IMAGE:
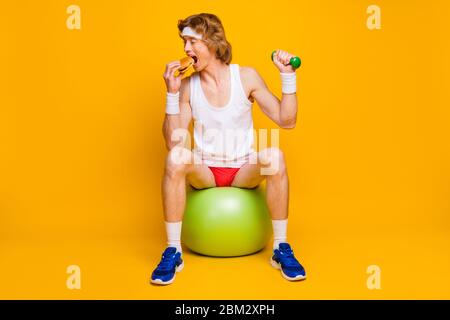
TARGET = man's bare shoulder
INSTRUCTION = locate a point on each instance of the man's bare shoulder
(251, 79)
(250, 76)
(248, 72)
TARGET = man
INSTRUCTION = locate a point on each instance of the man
(219, 98)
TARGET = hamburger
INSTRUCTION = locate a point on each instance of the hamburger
(186, 63)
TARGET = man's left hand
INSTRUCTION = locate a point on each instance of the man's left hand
(281, 61)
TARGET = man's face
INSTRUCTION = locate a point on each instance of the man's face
(199, 49)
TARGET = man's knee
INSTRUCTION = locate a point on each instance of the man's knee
(272, 161)
(178, 161)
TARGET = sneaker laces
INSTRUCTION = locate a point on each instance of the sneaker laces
(167, 262)
(289, 259)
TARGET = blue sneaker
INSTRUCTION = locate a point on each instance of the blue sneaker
(283, 258)
(170, 263)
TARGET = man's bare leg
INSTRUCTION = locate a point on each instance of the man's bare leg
(180, 168)
(272, 166)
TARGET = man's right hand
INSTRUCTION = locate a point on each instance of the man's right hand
(173, 83)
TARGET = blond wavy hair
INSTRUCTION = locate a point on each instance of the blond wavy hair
(210, 26)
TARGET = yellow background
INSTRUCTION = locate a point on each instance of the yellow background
(81, 150)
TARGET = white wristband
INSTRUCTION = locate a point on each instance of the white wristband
(288, 82)
(173, 103)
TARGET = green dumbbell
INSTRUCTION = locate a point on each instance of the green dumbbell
(295, 62)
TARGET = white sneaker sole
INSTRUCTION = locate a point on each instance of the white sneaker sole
(163, 283)
(277, 266)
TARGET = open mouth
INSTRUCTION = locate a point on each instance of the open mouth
(195, 59)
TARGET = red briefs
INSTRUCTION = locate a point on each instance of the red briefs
(224, 176)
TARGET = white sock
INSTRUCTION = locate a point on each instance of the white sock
(173, 230)
(279, 232)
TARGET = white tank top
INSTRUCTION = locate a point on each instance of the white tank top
(223, 136)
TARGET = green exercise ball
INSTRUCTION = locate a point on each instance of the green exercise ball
(226, 221)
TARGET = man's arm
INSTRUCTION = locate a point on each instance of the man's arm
(284, 112)
(178, 121)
